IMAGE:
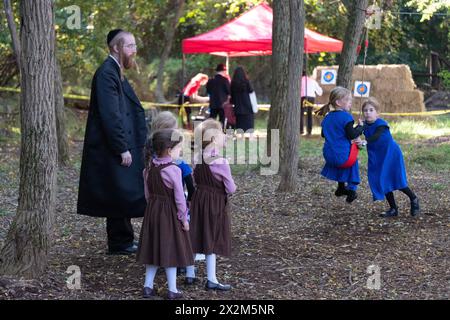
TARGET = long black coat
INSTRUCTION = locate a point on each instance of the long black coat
(115, 124)
(218, 89)
(240, 97)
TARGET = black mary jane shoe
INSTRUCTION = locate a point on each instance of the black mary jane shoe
(174, 295)
(217, 286)
(415, 208)
(148, 293)
(351, 196)
(392, 212)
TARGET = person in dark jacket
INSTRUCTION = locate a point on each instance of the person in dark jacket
(111, 181)
(218, 89)
(240, 90)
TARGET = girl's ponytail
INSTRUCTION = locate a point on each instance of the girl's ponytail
(324, 110)
(336, 94)
(148, 152)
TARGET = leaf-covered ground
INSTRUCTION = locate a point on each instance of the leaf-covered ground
(303, 245)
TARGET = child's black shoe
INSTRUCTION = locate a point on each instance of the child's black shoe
(415, 208)
(340, 192)
(392, 212)
(351, 196)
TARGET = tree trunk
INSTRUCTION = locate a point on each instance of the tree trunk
(12, 29)
(287, 63)
(63, 142)
(172, 23)
(28, 239)
(356, 18)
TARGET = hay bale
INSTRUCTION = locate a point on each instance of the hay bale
(403, 101)
(392, 85)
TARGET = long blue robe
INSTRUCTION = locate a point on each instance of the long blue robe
(337, 148)
(386, 168)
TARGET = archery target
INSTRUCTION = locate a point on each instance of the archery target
(362, 89)
(328, 77)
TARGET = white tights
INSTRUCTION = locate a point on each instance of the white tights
(210, 269)
(171, 274)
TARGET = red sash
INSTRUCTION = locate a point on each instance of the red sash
(351, 158)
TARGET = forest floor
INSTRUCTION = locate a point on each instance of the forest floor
(306, 244)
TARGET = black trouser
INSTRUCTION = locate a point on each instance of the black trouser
(309, 115)
(213, 113)
(120, 233)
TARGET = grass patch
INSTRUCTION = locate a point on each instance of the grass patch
(436, 157)
(418, 129)
(439, 186)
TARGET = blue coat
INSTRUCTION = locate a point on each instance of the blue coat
(337, 148)
(386, 168)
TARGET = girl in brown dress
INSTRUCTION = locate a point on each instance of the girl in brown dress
(164, 240)
(210, 221)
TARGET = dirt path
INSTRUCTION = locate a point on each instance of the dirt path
(304, 245)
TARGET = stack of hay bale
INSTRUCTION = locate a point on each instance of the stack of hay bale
(392, 85)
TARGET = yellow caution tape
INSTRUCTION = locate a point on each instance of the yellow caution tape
(262, 107)
(426, 113)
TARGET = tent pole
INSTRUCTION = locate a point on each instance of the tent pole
(183, 63)
(306, 74)
(228, 63)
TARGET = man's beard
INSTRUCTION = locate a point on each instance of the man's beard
(128, 62)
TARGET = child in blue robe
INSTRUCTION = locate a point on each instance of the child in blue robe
(386, 168)
(339, 134)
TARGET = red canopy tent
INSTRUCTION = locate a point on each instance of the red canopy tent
(251, 35)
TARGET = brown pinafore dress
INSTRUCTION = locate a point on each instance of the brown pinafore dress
(163, 242)
(210, 226)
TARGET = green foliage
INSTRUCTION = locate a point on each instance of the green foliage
(402, 38)
(445, 75)
(428, 7)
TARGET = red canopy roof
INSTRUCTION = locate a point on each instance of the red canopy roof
(251, 35)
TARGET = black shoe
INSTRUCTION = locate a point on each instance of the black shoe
(127, 251)
(415, 208)
(174, 295)
(190, 281)
(341, 192)
(148, 293)
(217, 286)
(392, 212)
(351, 196)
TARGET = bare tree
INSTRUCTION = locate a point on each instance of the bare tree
(61, 131)
(63, 143)
(12, 30)
(356, 18)
(172, 23)
(28, 240)
(287, 63)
